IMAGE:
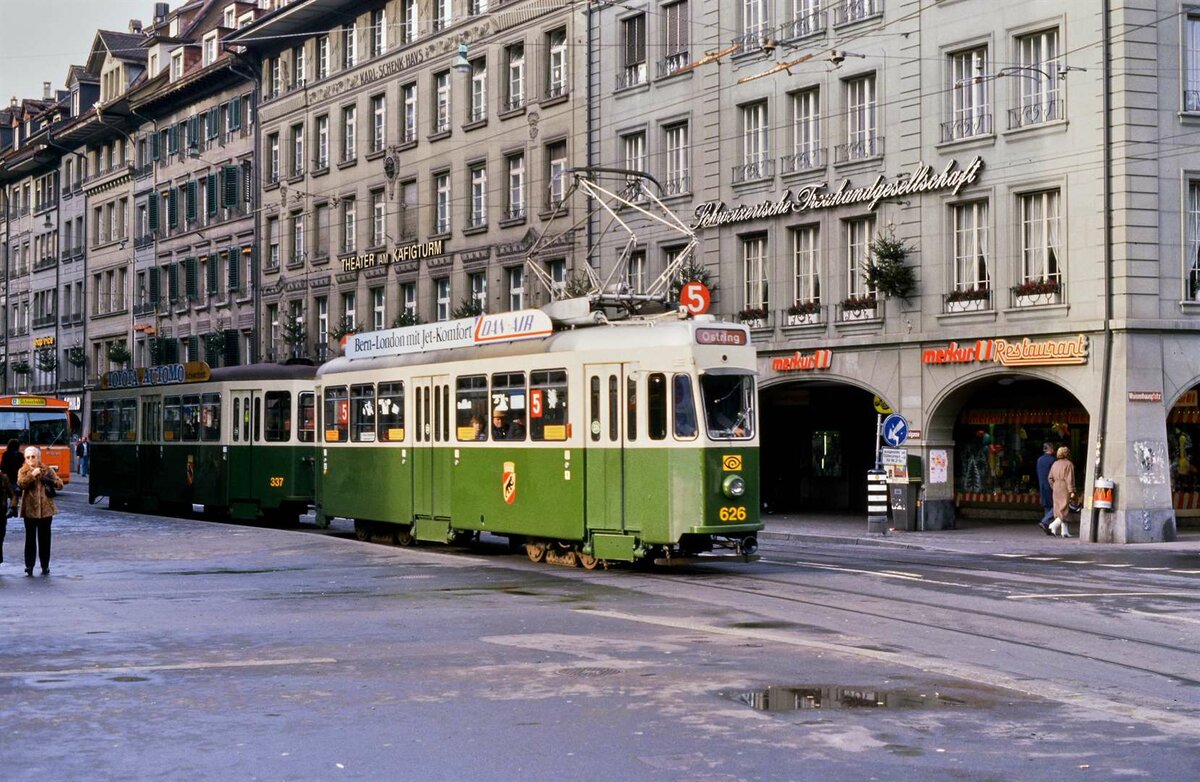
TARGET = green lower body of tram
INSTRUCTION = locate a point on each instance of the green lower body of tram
(567, 505)
(246, 482)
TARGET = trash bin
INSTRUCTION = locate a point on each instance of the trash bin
(902, 499)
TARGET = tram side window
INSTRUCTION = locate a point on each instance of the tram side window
(391, 412)
(471, 408)
(237, 417)
(631, 409)
(277, 416)
(171, 419)
(151, 419)
(210, 417)
(127, 420)
(685, 408)
(100, 417)
(728, 406)
(509, 413)
(307, 409)
(594, 404)
(548, 405)
(656, 406)
(336, 414)
(191, 418)
(362, 413)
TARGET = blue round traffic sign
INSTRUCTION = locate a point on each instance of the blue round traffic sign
(895, 430)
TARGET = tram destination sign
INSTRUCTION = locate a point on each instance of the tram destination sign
(446, 335)
(922, 179)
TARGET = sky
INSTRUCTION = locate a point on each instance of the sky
(40, 39)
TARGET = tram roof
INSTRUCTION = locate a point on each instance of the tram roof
(264, 372)
(622, 335)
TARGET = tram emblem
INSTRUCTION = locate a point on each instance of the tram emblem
(508, 484)
(191, 469)
(731, 462)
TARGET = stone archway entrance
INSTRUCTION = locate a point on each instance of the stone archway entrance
(1183, 451)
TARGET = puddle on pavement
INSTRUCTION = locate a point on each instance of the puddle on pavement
(831, 696)
(129, 679)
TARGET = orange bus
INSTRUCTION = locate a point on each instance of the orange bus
(42, 421)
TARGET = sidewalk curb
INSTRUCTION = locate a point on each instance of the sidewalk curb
(853, 540)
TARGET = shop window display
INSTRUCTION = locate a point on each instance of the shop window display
(997, 450)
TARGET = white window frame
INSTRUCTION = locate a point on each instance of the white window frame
(479, 188)
(441, 189)
(756, 272)
(858, 232)
(806, 264)
(441, 298)
(516, 185)
(969, 229)
(970, 95)
(1041, 219)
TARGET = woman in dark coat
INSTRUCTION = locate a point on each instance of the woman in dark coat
(10, 465)
(1062, 482)
(37, 508)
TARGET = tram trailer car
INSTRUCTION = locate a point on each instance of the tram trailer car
(240, 442)
(625, 442)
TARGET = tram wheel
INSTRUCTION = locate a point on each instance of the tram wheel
(404, 537)
(535, 550)
(362, 530)
(588, 561)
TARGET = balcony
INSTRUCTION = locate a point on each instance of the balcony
(754, 170)
(1037, 113)
(143, 309)
(145, 240)
(441, 125)
(864, 149)
(967, 127)
(514, 102)
(555, 90)
(631, 76)
(45, 262)
(853, 11)
(673, 63)
(515, 212)
(807, 160)
(751, 41)
(679, 184)
(141, 172)
(974, 299)
(42, 321)
(803, 26)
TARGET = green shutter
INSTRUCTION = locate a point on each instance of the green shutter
(190, 200)
(213, 260)
(155, 286)
(172, 283)
(235, 113)
(214, 122)
(172, 351)
(190, 281)
(172, 208)
(193, 348)
(234, 266)
(152, 211)
(229, 188)
(155, 151)
(210, 196)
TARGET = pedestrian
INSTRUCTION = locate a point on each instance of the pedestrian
(83, 451)
(8, 496)
(1062, 483)
(38, 483)
(11, 461)
(1044, 463)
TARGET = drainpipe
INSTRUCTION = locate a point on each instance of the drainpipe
(592, 111)
(254, 206)
(1106, 367)
(154, 248)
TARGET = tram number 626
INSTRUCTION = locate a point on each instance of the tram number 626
(732, 514)
(275, 481)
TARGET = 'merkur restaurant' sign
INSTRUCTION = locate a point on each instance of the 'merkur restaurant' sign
(1021, 353)
(802, 362)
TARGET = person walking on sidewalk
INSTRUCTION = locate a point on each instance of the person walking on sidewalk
(1044, 463)
(8, 509)
(1062, 481)
(35, 479)
(81, 450)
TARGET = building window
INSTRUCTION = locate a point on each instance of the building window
(634, 146)
(477, 7)
(556, 173)
(408, 295)
(349, 121)
(478, 282)
(349, 226)
(556, 270)
(806, 264)
(441, 191)
(678, 165)
(858, 239)
(807, 19)
(756, 23)
(378, 218)
(633, 52)
(378, 309)
(378, 32)
(322, 158)
(408, 23)
(209, 55)
(556, 63)
(323, 57)
(176, 69)
(970, 102)
(441, 102)
(322, 303)
(478, 196)
(299, 67)
(1192, 259)
(856, 10)
(408, 209)
(441, 298)
(441, 15)
(516, 287)
(515, 55)
(273, 158)
(970, 225)
(635, 272)
(379, 123)
(349, 45)
(806, 132)
(755, 272)
(478, 90)
(297, 222)
(861, 138)
(349, 311)
(297, 150)
(1038, 96)
(756, 151)
(516, 186)
(276, 70)
(272, 243)
(408, 96)
(1041, 259)
(676, 38)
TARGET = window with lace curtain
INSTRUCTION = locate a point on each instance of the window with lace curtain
(1192, 248)
(1041, 253)
(806, 264)
(970, 245)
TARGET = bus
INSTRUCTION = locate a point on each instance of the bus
(42, 421)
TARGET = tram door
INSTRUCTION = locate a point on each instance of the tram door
(432, 460)
(240, 456)
(604, 446)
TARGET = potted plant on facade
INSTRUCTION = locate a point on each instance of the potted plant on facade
(1033, 293)
(754, 317)
(885, 271)
(689, 272)
(803, 313)
(118, 353)
(469, 308)
(342, 329)
(293, 334)
(214, 347)
(76, 356)
(22, 367)
(859, 307)
(970, 299)
(405, 318)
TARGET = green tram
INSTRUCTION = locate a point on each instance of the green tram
(237, 440)
(633, 441)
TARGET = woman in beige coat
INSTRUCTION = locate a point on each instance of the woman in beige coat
(1062, 483)
(37, 508)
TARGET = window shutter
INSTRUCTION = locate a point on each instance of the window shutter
(235, 113)
(190, 281)
(172, 351)
(172, 208)
(190, 200)
(152, 211)
(229, 189)
(213, 260)
(193, 348)
(231, 348)
(155, 152)
(635, 40)
(155, 286)
(231, 277)
(214, 122)
(247, 184)
(210, 196)
(172, 283)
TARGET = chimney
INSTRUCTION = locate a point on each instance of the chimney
(135, 25)
(47, 94)
(160, 12)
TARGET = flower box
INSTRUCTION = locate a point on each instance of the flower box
(755, 323)
(867, 313)
(803, 319)
(966, 305)
(1037, 299)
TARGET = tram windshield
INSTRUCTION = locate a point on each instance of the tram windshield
(728, 406)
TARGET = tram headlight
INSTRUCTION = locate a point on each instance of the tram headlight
(733, 486)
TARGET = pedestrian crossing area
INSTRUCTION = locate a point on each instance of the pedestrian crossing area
(1113, 565)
